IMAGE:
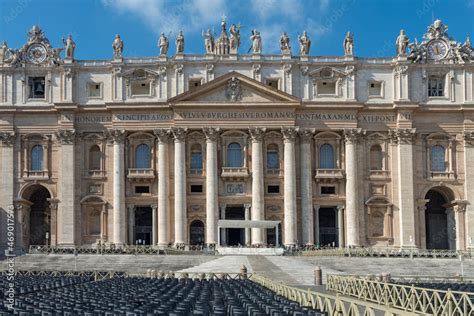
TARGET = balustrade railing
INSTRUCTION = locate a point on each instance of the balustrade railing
(329, 173)
(141, 173)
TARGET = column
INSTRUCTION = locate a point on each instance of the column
(118, 138)
(7, 140)
(258, 208)
(67, 192)
(247, 230)
(459, 212)
(340, 225)
(289, 135)
(421, 207)
(163, 178)
(131, 225)
(211, 184)
(351, 137)
(307, 219)
(154, 223)
(180, 219)
(224, 230)
(469, 186)
(103, 223)
(53, 234)
(452, 233)
(406, 199)
(316, 224)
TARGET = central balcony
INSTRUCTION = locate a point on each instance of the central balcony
(141, 174)
(329, 174)
(235, 172)
(36, 174)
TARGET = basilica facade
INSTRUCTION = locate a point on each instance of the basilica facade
(339, 151)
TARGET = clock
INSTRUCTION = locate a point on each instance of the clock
(437, 50)
(36, 54)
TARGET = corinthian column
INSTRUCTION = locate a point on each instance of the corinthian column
(459, 212)
(469, 186)
(352, 225)
(404, 139)
(307, 218)
(179, 185)
(289, 135)
(257, 210)
(118, 137)
(163, 177)
(211, 184)
(67, 192)
(7, 140)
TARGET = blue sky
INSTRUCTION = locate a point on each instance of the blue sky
(93, 23)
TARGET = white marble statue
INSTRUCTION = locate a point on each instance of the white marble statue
(305, 44)
(256, 42)
(163, 44)
(209, 43)
(117, 45)
(69, 46)
(402, 43)
(285, 43)
(234, 37)
(180, 43)
(349, 44)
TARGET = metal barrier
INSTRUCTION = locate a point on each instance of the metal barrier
(403, 297)
(124, 250)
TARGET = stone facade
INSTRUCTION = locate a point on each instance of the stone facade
(343, 151)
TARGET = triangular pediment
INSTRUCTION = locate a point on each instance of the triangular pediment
(234, 88)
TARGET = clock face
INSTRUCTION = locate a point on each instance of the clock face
(36, 54)
(437, 50)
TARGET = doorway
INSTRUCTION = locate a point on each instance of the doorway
(40, 217)
(328, 231)
(235, 236)
(439, 222)
(143, 225)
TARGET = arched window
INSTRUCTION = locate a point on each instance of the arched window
(94, 158)
(326, 156)
(196, 157)
(376, 158)
(437, 158)
(234, 155)
(37, 158)
(142, 156)
(273, 160)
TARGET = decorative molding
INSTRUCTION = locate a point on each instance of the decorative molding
(289, 133)
(402, 135)
(306, 134)
(353, 135)
(162, 134)
(66, 136)
(233, 90)
(468, 137)
(212, 133)
(257, 133)
(7, 138)
(179, 134)
(115, 135)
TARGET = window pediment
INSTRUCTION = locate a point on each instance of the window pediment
(140, 74)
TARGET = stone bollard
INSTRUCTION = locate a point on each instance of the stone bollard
(243, 272)
(318, 276)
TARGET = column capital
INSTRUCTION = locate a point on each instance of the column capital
(306, 134)
(468, 138)
(66, 136)
(421, 204)
(316, 207)
(223, 207)
(340, 208)
(257, 133)
(353, 135)
(460, 206)
(7, 138)
(179, 133)
(402, 135)
(212, 133)
(289, 133)
(247, 206)
(115, 136)
(162, 134)
(154, 206)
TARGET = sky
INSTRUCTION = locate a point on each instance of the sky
(94, 23)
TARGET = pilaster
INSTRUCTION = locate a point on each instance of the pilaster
(212, 183)
(258, 209)
(163, 188)
(180, 216)
(307, 218)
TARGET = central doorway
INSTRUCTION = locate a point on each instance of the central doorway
(235, 236)
(328, 236)
(143, 225)
(439, 222)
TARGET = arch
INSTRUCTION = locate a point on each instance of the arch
(39, 231)
(273, 156)
(438, 158)
(196, 232)
(93, 199)
(439, 221)
(234, 155)
(37, 155)
(449, 192)
(326, 156)
(142, 156)
(327, 135)
(376, 157)
(95, 158)
(27, 189)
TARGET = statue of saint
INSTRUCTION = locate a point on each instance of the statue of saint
(117, 45)
(305, 44)
(69, 46)
(402, 43)
(234, 37)
(256, 42)
(285, 44)
(349, 44)
(163, 44)
(180, 43)
(208, 41)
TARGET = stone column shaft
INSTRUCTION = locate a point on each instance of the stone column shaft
(131, 225)
(7, 140)
(307, 218)
(459, 212)
(316, 224)
(118, 137)
(257, 211)
(163, 178)
(289, 135)
(211, 185)
(469, 186)
(224, 230)
(340, 225)
(247, 230)
(180, 219)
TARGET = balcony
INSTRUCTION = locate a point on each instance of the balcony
(379, 174)
(36, 174)
(441, 175)
(235, 172)
(329, 174)
(141, 174)
(274, 172)
(195, 172)
(96, 174)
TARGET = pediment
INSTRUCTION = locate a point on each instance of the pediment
(234, 88)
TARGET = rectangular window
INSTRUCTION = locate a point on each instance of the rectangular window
(272, 160)
(375, 89)
(435, 87)
(37, 87)
(94, 90)
(272, 82)
(328, 190)
(140, 189)
(273, 189)
(196, 160)
(326, 87)
(140, 88)
(194, 84)
(196, 188)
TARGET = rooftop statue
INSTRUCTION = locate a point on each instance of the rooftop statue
(402, 43)
(117, 45)
(163, 44)
(285, 44)
(234, 38)
(180, 43)
(349, 44)
(69, 47)
(256, 42)
(305, 44)
(208, 41)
